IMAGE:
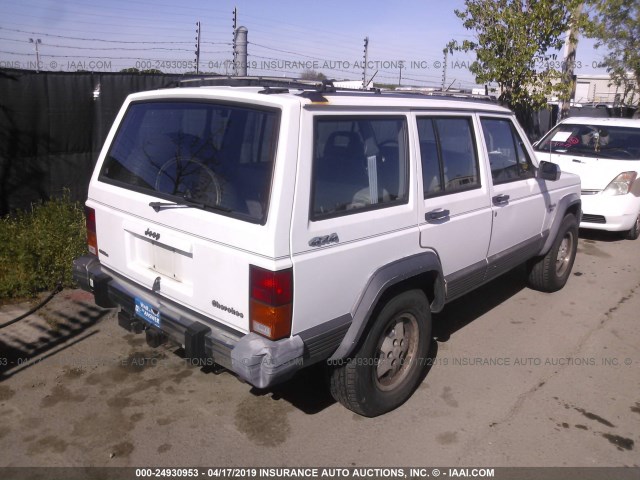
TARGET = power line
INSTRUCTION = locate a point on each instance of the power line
(285, 51)
(89, 39)
(140, 20)
(298, 40)
(322, 44)
(146, 11)
(74, 47)
(92, 57)
(94, 31)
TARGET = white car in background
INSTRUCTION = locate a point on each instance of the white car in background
(605, 153)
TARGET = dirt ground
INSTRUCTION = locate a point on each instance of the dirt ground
(520, 378)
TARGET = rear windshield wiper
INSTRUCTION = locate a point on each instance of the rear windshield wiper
(186, 203)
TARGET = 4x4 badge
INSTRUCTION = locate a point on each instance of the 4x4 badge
(154, 235)
(325, 240)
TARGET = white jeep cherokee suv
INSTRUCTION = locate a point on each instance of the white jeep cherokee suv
(267, 229)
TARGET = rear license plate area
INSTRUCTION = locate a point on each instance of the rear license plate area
(147, 313)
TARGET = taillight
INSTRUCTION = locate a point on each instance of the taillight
(270, 302)
(92, 238)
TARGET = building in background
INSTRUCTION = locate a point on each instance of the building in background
(599, 89)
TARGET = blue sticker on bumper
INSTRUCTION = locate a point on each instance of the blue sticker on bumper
(147, 313)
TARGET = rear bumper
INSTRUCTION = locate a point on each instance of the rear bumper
(257, 360)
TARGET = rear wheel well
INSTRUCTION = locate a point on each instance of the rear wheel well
(426, 282)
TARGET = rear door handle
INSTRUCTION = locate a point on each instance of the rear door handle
(501, 199)
(437, 214)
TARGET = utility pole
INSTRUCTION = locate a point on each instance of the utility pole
(198, 30)
(366, 56)
(36, 42)
(444, 69)
(400, 79)
(570, 47)
(235, 52)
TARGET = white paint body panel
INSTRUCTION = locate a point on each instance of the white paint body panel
(202, 257)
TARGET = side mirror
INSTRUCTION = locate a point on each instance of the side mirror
(549, 171)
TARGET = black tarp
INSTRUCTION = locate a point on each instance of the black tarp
(52, 127)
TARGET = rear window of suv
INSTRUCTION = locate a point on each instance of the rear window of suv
(218, 155)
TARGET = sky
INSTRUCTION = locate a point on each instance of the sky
(405, 38)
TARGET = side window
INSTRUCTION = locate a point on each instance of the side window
(359, 163)
(507, 155)
(448, 154)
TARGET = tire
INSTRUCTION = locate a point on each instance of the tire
(635, 231)
(401, 333)
(550, 273)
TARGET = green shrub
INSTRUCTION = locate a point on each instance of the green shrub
(37, 247)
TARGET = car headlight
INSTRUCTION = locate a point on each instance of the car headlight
(621, 185)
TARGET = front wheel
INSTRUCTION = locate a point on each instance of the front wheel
(388, 365)
(551, 272)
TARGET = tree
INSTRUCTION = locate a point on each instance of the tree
(616, 26)
(313, 75)
(515, 44)
(136, 70)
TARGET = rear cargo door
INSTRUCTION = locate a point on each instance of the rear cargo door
(182, 200)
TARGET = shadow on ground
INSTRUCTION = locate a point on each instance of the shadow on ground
(601, 235)
(461, 312)
(64, 323)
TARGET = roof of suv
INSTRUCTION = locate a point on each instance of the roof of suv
(311, 97)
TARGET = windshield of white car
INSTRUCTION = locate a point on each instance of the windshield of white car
(591, 140)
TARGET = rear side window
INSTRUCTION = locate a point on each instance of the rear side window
(448, 155)
(507, 154)
(220, 156)
(359, 163)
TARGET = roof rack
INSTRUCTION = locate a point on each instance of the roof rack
(447, 93)
(258, 81)
(315, 88)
